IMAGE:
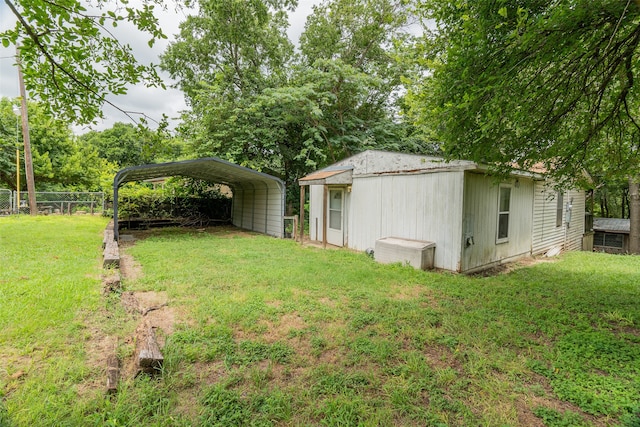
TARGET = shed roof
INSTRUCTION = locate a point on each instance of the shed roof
(210, 169)
(376, 162)
(612, 225)
(330, 175)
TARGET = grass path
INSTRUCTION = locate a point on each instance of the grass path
(270, 333)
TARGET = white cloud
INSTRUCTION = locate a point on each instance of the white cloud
(8, 72)
(298, 18)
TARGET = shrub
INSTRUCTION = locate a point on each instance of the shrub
(177, 198)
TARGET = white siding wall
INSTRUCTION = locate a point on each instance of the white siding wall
(481, 221)
(546, 234)
(259, 208)
(315, 212)
(421, 206)
(576, 227)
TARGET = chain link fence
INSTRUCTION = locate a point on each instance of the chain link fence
(6, 202)
(61, 202)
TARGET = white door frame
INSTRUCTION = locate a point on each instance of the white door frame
(335, 215)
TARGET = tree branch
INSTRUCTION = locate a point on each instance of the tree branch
(55, 65)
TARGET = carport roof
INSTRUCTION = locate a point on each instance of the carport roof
(209, 169)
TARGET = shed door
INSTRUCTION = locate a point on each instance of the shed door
(335, 226)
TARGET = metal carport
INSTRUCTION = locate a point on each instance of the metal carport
(258, 198)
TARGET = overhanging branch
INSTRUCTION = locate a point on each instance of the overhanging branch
(55, 65)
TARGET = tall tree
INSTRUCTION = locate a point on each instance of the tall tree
(70, 56)
(59, 160)
(225, 56)
(125, 144)
(230, 49)
(349, 50)
(256, 104)
(535, 81)
(362, 34)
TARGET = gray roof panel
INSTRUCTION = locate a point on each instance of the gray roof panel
(615, 225)
(209, 169)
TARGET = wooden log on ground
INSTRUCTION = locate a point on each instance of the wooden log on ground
(111, 255)
(108, 234)
(150, 358)
(113, 372)
(108, 237)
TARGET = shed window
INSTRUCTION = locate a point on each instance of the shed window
(559, 208)
(504, 209)
(610, 240)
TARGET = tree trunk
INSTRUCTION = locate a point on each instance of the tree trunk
(634, 215)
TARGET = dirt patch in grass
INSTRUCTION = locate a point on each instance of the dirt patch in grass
(130, 269)
(274, 303)
(525, 414)
(331, 303)
(538, 393)
(331, 356)
(417, 292)
(187, 404)
(99, 346)
(441, 357)
(14, 369)
(291, 321)
(525, 404)
(270, 331)
(512, 266)
(201, 375)
(406, 293)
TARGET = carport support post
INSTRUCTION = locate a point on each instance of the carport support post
(115, 211)
(324, 215)
(302, 188)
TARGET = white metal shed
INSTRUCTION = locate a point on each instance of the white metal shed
(258, 198)
(473, 220)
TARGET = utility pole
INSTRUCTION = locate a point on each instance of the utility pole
(16, 111)
(28, 162)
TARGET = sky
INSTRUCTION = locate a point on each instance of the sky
(154, 102)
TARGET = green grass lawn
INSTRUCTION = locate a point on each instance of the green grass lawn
(269, 333)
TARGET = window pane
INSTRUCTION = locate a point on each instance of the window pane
(503, 226)
(335, 220)
(505, 199)
(335, 199)
(613, 240)
(598, 239)
(559, 208)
